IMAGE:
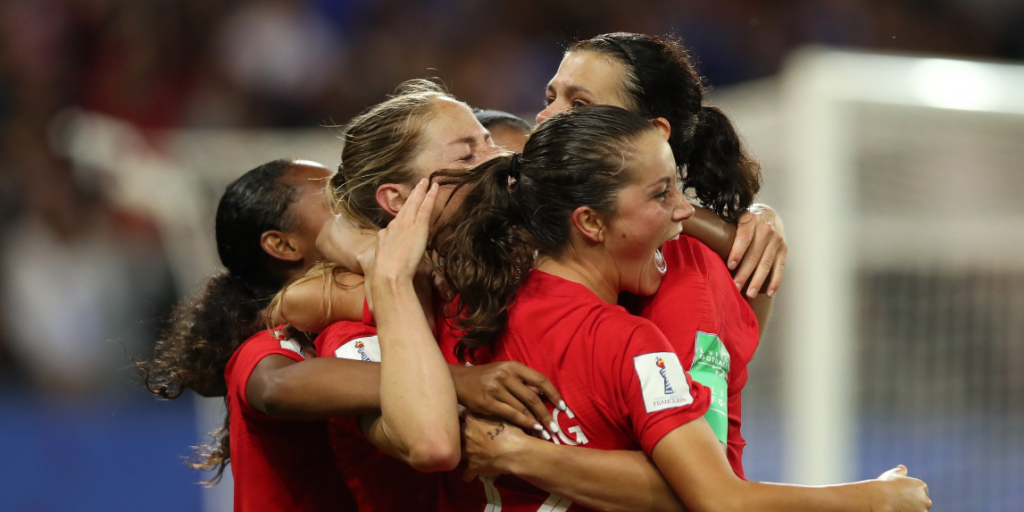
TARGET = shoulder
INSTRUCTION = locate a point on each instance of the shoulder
(349, 340)
(616, 331)
(253, 350)
(264, 343)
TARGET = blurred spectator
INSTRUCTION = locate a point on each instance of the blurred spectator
(78, 278)
(282, 55)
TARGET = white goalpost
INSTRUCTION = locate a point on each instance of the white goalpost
(899, 335)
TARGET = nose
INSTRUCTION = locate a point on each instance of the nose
(684, 210)
(553, 108)
(543, 115)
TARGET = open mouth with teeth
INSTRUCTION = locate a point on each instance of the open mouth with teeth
(659, 256)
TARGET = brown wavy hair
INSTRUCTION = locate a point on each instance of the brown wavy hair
(661, 81)
(519, 206)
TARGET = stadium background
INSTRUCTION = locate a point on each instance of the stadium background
(210, 89)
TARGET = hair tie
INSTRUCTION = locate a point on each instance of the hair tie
(514, 169)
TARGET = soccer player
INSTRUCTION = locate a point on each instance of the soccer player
(538, 253)
(372, 185)
(277, 394)
(374, 181)
(508, 131)
(267, 222)
(697, 308)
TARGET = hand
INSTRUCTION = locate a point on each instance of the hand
(400, 246)
(508, 390)
(899, 492)
(761, 243)
(487, 445)
(342, 242)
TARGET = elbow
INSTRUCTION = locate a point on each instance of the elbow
(434, 455)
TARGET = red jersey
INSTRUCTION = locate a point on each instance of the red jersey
(378, 481)
(277, 464)
(623, 385)
(712, 328)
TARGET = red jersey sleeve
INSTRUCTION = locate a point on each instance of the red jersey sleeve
(653, 388)
(349, 340)
(249, 354)
(368, 315)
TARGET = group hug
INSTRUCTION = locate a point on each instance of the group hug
(472, 313)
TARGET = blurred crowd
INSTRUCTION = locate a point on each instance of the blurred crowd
(82, 281)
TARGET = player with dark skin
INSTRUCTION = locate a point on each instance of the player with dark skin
(267, 226)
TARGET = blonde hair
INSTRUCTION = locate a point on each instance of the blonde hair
(380, 147)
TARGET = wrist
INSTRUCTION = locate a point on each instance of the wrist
(523, 451)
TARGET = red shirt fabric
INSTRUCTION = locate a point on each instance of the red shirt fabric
(623, 385)
(698, 298)
(278, 465)
(379, 482)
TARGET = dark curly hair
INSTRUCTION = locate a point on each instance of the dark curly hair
(207, 327)
(661, 81)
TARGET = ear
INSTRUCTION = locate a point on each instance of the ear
(589, 223)
(391, 197)
(663, 126)
(280, 245)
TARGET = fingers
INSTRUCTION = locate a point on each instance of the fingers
(533, 402)
(744, 235)
(408, 212)
(537, 380)
(777, 270)
(763, 268)
(427, 207)
(750, 259)
(510, 409)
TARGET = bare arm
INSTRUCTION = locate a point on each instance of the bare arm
(320, 388)
(691, 459)
(609, 480)
(326, 295)
(754, 248)
(711, 230)
(419, 416)
(328, 387)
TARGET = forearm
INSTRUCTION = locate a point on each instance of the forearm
(310, 305)
(711, 230)
(418, 401)
(768, 497)
(600, 479)
(691, 459)
(323, 388)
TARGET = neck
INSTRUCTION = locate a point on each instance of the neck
(590, 272)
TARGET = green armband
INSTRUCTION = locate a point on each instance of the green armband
(711, 368)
